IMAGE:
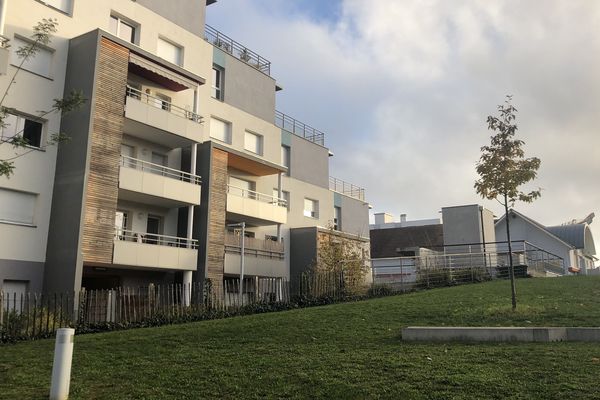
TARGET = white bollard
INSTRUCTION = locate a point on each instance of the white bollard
(61, 368)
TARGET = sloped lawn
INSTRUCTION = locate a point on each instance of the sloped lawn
(346, 351)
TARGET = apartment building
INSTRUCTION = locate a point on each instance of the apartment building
(178, 144)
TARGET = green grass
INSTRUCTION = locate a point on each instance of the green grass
(346, 351)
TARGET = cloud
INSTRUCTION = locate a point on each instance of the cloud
(402, 89)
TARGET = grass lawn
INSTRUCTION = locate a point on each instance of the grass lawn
(345, 351)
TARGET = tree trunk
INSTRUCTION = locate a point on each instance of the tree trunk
(511, 267)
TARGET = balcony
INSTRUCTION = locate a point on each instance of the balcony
(262, 257)
(255, 208)
(237, 50)
(299, 128)
(150, 117)
(154, 251)
(145, 182)
(346, 188)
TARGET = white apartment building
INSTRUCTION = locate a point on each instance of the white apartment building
(179, 142)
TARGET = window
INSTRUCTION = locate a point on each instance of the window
(62, 5)
(14, 290)
(311, 208)
(241, 187)
(18, 125)
(253, 143)
(220, 130)
(17, 207)
(284, 196)
(285, 158)
(153, 229)
(218, 75)
(41, 64)
(337, 218)
(121, 224)
(162, 101)
(169, 51)
(126, 30)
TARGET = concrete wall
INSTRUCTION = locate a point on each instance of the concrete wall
(462, 225)
(309, 162)
(355, 216)
(303, 249)
(190, 14)
(27, 271)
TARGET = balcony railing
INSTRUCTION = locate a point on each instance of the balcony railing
(162, 104)
(299, 129)
(251, 194)
(237, 50)
(346, 188)
(145, 166)
(155, 239)
(254, 246)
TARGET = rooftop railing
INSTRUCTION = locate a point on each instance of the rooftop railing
(251, 194)
(130, 162)
(346, 188)
(237, 50)
(162, 104)
(299, 128)
(155, 239)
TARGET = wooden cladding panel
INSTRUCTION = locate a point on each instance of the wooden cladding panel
(216, 217)
(107, 131)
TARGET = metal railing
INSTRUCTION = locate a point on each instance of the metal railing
(162, 104)
(125, 235)
(251, 194)
(237, 50)
(253, 246)
(145, 166)
(346, 188)
(299, 128)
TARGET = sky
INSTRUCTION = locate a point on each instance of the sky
(402, 90)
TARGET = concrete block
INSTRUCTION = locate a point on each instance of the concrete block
(583, 334)
(485, 334)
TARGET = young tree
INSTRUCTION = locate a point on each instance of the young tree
(503, 168)
(42, 36)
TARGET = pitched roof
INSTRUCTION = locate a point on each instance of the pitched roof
(385, 242)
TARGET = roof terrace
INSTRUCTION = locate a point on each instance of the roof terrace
(299, 128)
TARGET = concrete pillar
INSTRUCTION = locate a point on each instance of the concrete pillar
(187, 288)
(61, 367)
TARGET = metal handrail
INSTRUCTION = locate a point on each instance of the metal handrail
(135, 163)
(163, 104)
(236, 49)
(125, 235)
(299, 128)
(346, 188)
(251, 194)
(250, 243)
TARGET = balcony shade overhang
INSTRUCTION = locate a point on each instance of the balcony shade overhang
(249, 163)
(158, 74)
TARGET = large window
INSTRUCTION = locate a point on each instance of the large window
(311, 208)
(337, 218)
(220, 130)
(18, 125)
(285, 158)
(218, 80)
(253, 143)
(169, 51)
(241, 187)
(126, 30)
(17, 207)
(40, 64)
(62, 5)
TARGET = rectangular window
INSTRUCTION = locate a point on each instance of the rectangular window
(17, 207)
(241, 187)
(253, 143)
(218, 75)
(285, 158)
(153, 229)
(126, 30)
(220, 130)
(311, 208)
(121, 224)
(62, 5)
(169, 51)
(162, 101)
(40, 64)
(337, 218)
(18, 125)
(15, 292)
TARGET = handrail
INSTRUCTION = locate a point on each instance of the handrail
(135, 163)
(154, 239)
(236, 49)
(346, 188)
(299, 128)
(251, 194)
(162, 104)
(271, 246)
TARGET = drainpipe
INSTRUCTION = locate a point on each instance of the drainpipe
(279, 193)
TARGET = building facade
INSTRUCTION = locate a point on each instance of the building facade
(178, 144)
